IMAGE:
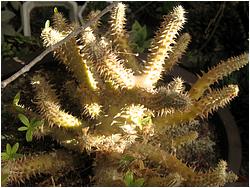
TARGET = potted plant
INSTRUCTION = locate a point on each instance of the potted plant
(138, 132)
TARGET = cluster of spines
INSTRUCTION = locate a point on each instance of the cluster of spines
(177, 85)
(184, 139)
(113, 71)
(165, 98)
(92, 15)
(51, 36)
(132, 117)
(200, 146)
(59, 22)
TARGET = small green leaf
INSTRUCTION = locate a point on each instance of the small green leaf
(8, 149)
(5, 156)
(47, 23)
(16, 99)
(55, 10)
(136, 26)
(15, 148)
(139, 182)
(29, 134)
(138, 36)
(23, 128)
(128, 178)
(24, 119)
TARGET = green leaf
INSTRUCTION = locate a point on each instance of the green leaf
(140, 49)
(138, 37)
(8, 149)
(29, 134)
(15, 148)
(128, 178)
(23, 128)
(16, 99)
(147, 43)
(136, 26)
(5, 156)
(139, 182)
(7, 15)
(24, 119)
(144, 32)
(47, 23)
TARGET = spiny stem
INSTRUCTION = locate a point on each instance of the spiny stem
(47, 163)
(217, 177)
(217, 73)
(201, 108)
(161, 47)
(178, 50)
(119, 35)
(49, 107)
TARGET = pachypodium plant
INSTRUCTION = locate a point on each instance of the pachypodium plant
(138, 131)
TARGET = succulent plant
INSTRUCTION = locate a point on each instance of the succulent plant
(125, 115)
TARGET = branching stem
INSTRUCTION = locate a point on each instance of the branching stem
(27, 67)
